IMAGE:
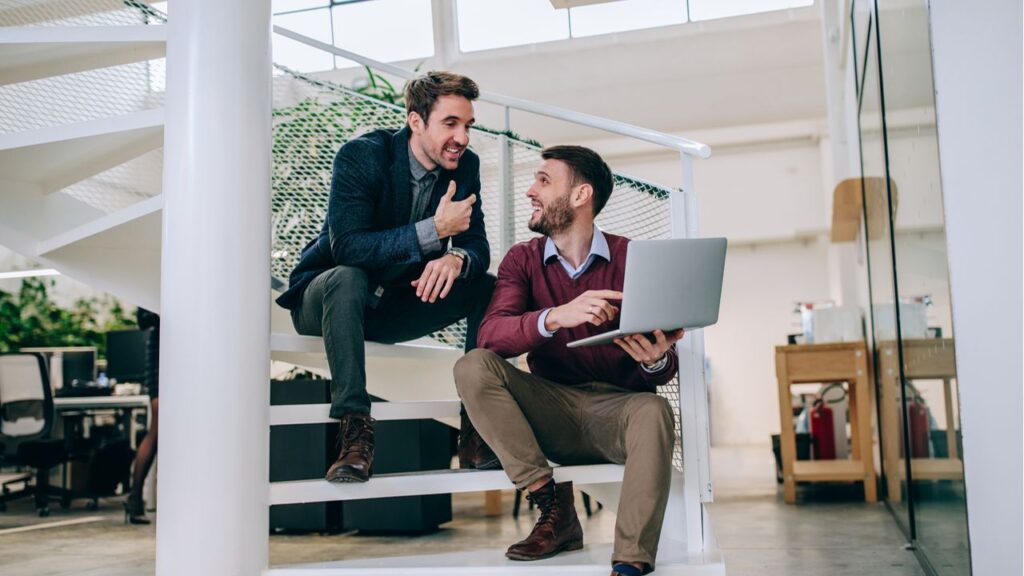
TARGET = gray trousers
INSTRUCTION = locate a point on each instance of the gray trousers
(335, 306)
(528, 420)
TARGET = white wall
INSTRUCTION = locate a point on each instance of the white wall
(767, 197)
(977, 68)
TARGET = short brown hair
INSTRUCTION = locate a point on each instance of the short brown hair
(587, 166)
(421, 93)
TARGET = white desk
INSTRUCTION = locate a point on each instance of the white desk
(81, 408)
(100, 402)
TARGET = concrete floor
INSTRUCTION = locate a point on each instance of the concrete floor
(829, 533)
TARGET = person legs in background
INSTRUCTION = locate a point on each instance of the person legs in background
(134, 507)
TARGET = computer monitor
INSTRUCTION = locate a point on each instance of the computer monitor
(126, 354)
(68, 364)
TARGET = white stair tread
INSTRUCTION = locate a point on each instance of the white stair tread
(52, 135)
(30, 53)
(592, 560)
(100, 225)
(431, 482)
(315, 345)
(13, 35)
(319, 413)
(57, 156)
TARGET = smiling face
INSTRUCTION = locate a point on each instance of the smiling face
(441, 139)
(551, 197)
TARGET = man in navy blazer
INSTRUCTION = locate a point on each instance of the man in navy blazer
(402, 253)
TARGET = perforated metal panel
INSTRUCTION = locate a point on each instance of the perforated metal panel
(77, 13)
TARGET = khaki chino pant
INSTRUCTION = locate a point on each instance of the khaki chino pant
(528, 420)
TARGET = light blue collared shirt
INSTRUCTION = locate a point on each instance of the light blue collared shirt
(598, 248)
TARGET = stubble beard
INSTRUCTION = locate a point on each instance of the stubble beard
(555, 218)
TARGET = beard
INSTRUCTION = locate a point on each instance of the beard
(554, 218)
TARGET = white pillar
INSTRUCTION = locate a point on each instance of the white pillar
(214, 359)
(976, 62)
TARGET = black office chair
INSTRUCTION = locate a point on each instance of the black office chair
(26, 422)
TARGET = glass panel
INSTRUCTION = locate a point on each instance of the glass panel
(625, 15)
(882, 287)
(485, 24)
(922, 278)
(385, 30)
(711, 9)
(860, 15)
(313, 23)
(279, 6)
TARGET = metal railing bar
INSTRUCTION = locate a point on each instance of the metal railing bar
(683, 145)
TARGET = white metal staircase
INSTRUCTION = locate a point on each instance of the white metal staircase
(81, 132)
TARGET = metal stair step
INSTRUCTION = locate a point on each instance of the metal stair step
(30, 53)
(103, 224)
(57, 156)
(319, 413)
(592, 560)
(419, 349)
(431, 482)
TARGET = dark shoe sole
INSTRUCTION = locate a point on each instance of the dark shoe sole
(347, 478)
(567, 547)
(489, 465)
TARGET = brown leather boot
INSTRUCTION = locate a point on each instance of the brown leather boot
(474, 453)
(556, 530)
(355, 461)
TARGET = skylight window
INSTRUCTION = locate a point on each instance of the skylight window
(625, 15)
(386, 30)
(712, 9)
(488, 24)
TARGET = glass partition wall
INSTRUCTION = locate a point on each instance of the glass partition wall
(910, 322)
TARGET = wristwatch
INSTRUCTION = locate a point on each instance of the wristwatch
(462, 254)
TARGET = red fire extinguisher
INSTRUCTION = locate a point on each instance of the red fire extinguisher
(917, 418)
(823, 431)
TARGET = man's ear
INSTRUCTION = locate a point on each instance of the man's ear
(582, 195)
(416, 123)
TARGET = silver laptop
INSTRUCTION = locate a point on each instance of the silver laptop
(669, 284)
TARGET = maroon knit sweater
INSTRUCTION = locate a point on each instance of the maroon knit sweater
(527, 286)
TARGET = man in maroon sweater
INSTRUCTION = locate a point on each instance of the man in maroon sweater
(574, 406)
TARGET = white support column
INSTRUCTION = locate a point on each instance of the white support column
(976, 63)
(215, 353)
(692, 386)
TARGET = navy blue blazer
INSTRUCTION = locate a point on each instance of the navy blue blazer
(367, 223)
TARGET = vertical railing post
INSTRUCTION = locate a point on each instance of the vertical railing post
(215, 280)
(506, 193)
(692, 385)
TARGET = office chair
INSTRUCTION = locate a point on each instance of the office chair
(26, 422)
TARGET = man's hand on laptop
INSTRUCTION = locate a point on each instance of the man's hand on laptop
(648, 353)
(438, 277)
(592, 306)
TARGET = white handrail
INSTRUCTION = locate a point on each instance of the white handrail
(682, 145)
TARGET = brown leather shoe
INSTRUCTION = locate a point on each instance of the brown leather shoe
(355, 461)
(474, 453)
(556, 530)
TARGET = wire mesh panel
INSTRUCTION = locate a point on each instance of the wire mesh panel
(123, 185)
(76, 13)
(82, 96)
